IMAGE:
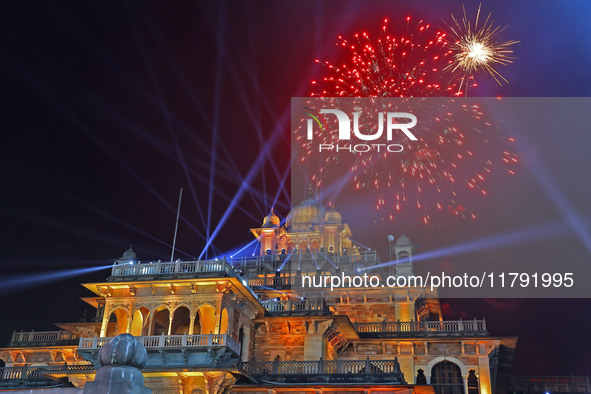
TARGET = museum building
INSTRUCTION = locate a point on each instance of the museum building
(245, 325)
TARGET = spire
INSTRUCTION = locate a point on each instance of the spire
(310, 191)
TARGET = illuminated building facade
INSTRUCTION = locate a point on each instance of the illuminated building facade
(243, 326)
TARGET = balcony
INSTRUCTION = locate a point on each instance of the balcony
(333, 371)
(295, 307)
(42, 338)
(32, 377)
(211, 350)
(308, 261)
(421, 329)
(176, 269)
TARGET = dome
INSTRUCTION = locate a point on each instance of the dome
(129, 254)
(333, 217)
(306, 214)
(271, 220)
(403, 240)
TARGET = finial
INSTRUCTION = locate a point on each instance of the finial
(310, 190)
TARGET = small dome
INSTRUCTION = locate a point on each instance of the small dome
(333, 217)
(271, 220)
(129, 254)
(403, 240)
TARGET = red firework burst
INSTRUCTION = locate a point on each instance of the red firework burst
(452, 159)
(404, 65)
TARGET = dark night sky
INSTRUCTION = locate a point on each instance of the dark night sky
(109, 108)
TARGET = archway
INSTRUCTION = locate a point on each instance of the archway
(207, 321)
(137, 323)
(303, 246)
(224, 321)
(121, 317)
(315, 246)
(161, 321)
(181, 321)
(446, 378)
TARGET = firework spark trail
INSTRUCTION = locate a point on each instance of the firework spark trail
(477, 49)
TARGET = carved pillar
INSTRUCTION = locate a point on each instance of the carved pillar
(170, 317)
(192, 323)
(148, 327)
(105, 322)
(218, 314)
(129, 318)
(484, 372)
(219, 383)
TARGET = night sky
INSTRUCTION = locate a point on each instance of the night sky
(110, 107)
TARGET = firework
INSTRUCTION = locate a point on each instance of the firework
(477, 49)
(395, 65)
(448, 163)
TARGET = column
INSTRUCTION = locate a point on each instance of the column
(149, 327)
(170, 317)
(129, 318)
(484, 371)
(105, 322)
(218, 314)
(192, 323)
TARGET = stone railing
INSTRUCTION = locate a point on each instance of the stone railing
(321, 367)
(197, 268)
(40, 372)
(172, 268)
(275, 281)
(162, 342)
(339, 259)
(423, 328)
(292, 306)
(34, 338)
(550, 384)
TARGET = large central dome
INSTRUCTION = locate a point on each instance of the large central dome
(306, 214)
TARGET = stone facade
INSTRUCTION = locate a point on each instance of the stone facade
(215, 327)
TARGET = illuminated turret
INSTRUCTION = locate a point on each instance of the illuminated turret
(402, 252)
(271, 235)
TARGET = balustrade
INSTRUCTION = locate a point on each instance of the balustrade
(170, 341)
(295, 305)
(23, 337)
(322, 367)
(421, 326)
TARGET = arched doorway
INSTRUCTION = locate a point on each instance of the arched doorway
(446, 378)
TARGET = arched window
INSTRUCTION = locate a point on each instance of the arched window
(446, 377)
